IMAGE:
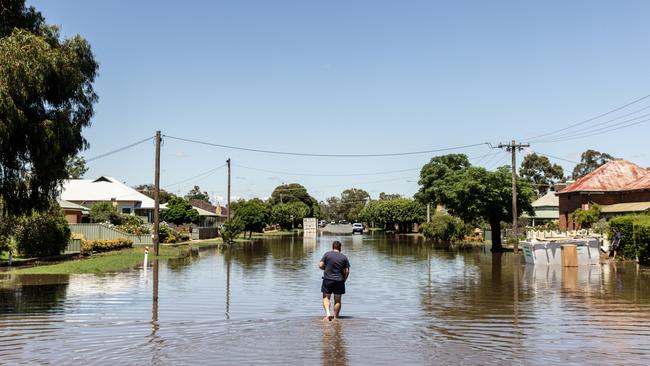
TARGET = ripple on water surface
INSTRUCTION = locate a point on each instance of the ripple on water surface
(406, 304)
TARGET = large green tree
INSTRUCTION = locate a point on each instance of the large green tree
(540, 173)
(254, 215)
(179, 212)
(294, 192)
(389, 213)
(46, 99)
(590, 160)
(475, 194)
(288, 215)
(435, 170)
(353, 200)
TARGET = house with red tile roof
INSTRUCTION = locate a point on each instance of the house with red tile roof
(618, 186)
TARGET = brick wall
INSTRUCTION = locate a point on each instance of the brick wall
(570, 202)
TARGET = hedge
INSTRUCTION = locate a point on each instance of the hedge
(88, 246)
(635, 236)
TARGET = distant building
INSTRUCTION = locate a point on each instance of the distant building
(618, 186)
(87, 192)
(73, 212)
(211, 215)
(547, 208)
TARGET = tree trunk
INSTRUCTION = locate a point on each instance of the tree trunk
(495, 226)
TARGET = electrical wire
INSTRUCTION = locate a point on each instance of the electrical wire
(601, 131)
(324, 155)
(119, 149)
(589, 120)
(201, 176)
(554, 157)
(327, 175)
(605, 124)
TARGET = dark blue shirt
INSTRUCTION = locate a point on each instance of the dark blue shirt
(335, 265)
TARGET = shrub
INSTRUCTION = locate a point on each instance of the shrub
(635, 236)
(231, 230)
(89, 246)
(133, 225)
(445, 228)
(105, 212)
(585, 218)
(43, 234)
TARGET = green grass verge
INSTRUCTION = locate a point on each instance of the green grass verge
(105, 262)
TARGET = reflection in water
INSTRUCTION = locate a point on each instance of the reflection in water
(334, 348)
(442, 306)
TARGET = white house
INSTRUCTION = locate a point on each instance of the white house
(86, 192)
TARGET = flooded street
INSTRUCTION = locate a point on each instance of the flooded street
(406, 303)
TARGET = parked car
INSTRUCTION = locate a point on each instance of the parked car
(344, 222)
(357, 228)
(322, 223)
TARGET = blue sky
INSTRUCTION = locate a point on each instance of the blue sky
(352, 77)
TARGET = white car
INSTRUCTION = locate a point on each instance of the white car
(357, 228)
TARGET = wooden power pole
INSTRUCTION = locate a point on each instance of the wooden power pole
(513, 148)
(156, 197)
(228, 162)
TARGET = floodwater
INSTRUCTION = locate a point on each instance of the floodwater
(406, 304)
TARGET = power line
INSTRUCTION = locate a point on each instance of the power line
(202, 175)
(554, 157)
(590, 119)
(329, 175)
(601, 131)
(325, 155)
(604, 123)
(119, 149)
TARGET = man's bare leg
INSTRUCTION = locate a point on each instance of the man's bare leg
(337, 305)
(326, 306)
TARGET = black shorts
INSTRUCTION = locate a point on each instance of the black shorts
(332, 287)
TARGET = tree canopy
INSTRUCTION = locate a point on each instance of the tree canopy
(288, 215)
(253, 214)
(46, 99)
(590, 160)
(179, 212)
(540, 173)
(474, 194)
(147, 190)
(294, 192)
(76, 167)
(388, 213)
(196, 194)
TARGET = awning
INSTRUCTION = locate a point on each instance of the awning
(625, 207)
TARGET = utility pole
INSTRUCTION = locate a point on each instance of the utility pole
(513, 148)
(228, 162)
(428, 212)
(156, 197)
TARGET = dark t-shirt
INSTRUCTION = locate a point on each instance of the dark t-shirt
(335, 264)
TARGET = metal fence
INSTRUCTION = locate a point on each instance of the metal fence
(74, 246)
(102, 232)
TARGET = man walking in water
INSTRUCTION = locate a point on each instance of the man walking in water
(336, 269)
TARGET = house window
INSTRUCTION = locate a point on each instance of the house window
(126, 210)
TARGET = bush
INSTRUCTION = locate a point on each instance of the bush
(105, 212)
(231, 230)
(133, 225)
(635, 236)
(98, 246)
(445, 228)
(43, 234)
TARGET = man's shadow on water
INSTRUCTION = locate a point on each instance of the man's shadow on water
(334, 347)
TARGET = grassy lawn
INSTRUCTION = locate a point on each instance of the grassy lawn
(276, 233)
(111, 261)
